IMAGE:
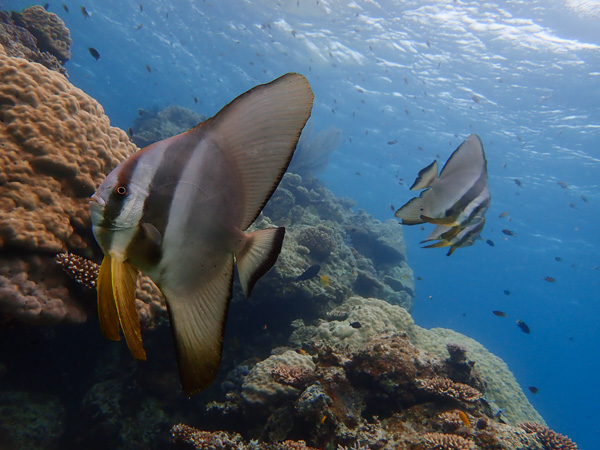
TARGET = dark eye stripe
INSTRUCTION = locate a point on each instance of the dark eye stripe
(114, 203)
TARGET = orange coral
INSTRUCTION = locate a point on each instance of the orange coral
(57, 145)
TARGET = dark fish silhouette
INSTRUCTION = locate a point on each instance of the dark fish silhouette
(508, 232)
(523, 326)
(518, 182)
(177, 211)
(309, 273)
(532, 389)
(489, 242)
(506, 292)
(558, 258)
(84, 12)
(148, 68)
(549, 279)
(355, 324)
(65, 7)
(94, 53)
(499, 313)
(46, 6)
(456, 200)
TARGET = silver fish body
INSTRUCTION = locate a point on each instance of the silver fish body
(456, 201)
(177, 210)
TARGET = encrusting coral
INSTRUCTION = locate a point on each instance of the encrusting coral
(440, 441)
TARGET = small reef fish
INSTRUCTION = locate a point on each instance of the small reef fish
(355, 324)
(84, 12)
(94, 53)
(65, 7)
(499, 313)
(508, 232)
(130, 132)
(195, 99)
(558, 258)
(518, 182)
(148, 68)
(549, 279)
(309, 273)
(503, 214)
(46, 6)
(523, 326)
(584, 198)
(533, 389)
(464, 418)
(489, 242)
(456, 201)
(506, 292)
(562, 184)
(324, 280)
(394, 142)
(177, 210)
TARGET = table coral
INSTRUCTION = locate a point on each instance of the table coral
(57, 145)
(550, 439)
(440, 441)
(447, 388)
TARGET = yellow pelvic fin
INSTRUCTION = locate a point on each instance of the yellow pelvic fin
(124, 277)
(439, 244)
(107, 308)
(447, 221)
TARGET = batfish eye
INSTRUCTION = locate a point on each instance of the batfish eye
(121, 190)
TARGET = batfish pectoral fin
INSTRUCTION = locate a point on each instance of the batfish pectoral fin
(124, 277)
(107, 308)
(412, 211)
(451, 233)
(259, 253)
(446, 221)
(197, 324)
(425, 177)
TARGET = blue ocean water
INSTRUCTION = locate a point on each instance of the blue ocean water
(406, 82)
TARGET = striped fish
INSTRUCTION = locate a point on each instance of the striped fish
(456, 201)
(176, 211)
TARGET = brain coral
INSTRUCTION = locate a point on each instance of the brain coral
(56, 146)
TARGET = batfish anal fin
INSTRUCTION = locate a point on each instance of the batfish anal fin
(258, 255)
(452, 248)
(445, 221)
(412, 212)
(197, 323)
(107, 308)
(258, 132)
(124, 277)
(425, 177)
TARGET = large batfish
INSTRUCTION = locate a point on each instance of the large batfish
(456, 201)
(176, 211)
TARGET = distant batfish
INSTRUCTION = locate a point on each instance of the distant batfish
(456, 201)
(177, 210)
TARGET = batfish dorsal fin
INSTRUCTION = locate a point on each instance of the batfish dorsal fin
(267, 121)
(107, 308)
(197, 323)
(124, 278)
(425, 177)
(258, 255)
(468, 156)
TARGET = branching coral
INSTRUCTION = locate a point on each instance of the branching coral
(448, 388)
(80, 269)
(295, 376)
(440, 441)
(550, 439)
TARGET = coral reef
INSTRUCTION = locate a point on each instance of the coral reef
(153, 126)
(36, 35)
(57, 145)
(445, 387)
(550, 439)
(440, 441)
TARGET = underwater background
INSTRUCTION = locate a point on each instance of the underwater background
(406, 82)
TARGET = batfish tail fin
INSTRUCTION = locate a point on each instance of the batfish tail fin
(107, 307)
(124, 278)
(197, 324)
(411, 212)
(258, 255)
(426, 177)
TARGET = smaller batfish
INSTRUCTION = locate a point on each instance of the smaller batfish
(523, 326)
(309, 273)
(456, 201)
